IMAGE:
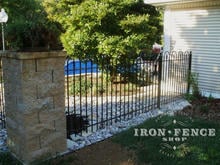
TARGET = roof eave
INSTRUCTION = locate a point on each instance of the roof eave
(169, 2)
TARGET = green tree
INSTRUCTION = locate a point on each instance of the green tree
(108, 29)
(28, 26)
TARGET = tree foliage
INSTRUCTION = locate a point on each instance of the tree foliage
(108, 28)
(28, 25)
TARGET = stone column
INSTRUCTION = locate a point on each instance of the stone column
(34, 103)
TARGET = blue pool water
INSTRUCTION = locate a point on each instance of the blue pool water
(72, 67)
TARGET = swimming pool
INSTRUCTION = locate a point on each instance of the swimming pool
(75, 67)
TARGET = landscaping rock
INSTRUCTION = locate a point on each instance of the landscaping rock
(3, 138)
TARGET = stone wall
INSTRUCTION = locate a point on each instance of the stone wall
(34, 103)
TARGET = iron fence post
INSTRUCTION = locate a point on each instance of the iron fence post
(189, 71)
(159, 81)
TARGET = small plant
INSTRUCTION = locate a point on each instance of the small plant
(128, 87)
(81, 86)
(100, 89)
(85, 86)
(193, 80)
(210, 98)
(189, 97)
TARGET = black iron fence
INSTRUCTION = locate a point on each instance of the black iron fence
(101, 92)
(2, 101)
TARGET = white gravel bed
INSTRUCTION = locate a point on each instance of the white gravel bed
(79, 141)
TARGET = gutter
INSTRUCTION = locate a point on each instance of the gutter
(170, 2)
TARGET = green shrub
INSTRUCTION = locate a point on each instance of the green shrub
(81, 86)
(84, 86)
(210, 98)
(107, 29)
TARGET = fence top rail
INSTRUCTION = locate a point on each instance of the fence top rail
(177, 53)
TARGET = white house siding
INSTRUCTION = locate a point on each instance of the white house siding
(197, 30)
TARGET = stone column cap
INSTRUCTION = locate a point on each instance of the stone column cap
(32, 55)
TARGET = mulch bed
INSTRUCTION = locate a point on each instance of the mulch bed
(204, 108)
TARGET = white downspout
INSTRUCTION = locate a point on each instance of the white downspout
(167, 41)
(167, 30)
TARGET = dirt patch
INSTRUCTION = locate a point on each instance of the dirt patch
(104, 153)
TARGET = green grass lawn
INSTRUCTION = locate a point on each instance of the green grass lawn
(198, 149)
